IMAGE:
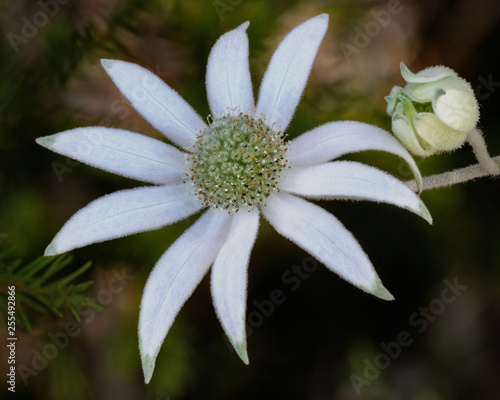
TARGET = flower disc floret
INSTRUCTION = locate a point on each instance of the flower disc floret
(237, 161)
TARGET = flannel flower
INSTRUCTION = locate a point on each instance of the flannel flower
(237, 167)
(434, 112)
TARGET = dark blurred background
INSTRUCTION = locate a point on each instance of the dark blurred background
(328, 340)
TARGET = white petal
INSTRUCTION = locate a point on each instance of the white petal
(325, 238)
(121, 152)
(334, 139)
(160, 105)
(124, 213)
(352, 180)
(174, 279)
(288, 71)
(229, 278)
(229, 87)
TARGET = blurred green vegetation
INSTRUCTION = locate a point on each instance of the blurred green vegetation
(41, 286)
(326, 330)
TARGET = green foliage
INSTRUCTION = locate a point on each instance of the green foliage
(43, 286)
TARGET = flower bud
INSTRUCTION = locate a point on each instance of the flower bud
(434, 112)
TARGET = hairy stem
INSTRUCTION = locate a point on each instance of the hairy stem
(476, 140)
(453, 177)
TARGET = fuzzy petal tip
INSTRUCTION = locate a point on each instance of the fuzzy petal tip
(107, 64)
(424, 213)
(241, 349)
(381, 292)
(46, 141)
(148, 366)
(51, 250)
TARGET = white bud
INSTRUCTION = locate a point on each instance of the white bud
(433, 112)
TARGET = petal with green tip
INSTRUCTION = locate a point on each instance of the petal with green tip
(287, 73)
(159, 104)
(229, 278)
(334, 139)
(121, 152)
(354, 181)
(324, 237)
(229, 86)
(123, 213)
(174, 278)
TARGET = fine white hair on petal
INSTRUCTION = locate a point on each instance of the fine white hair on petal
(427, 75)
(325, 238)
(334, 139)
(288, 71)
(229, 86)
(174, 278)
(229, 278)
(120, 151)
(159, 104)
(355, 181)
(124, 213)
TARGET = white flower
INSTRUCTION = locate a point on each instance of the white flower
(238, 163)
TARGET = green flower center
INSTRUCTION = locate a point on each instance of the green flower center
(237, 162)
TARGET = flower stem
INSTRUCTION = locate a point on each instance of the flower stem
(476, 140)
(453, 177)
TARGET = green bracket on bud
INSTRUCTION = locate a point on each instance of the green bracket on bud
(434, 112)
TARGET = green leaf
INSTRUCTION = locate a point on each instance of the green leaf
(31, 302)
(64, 281)
(58, 264)
(32, 268)
(22, 316)
(44, 286)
